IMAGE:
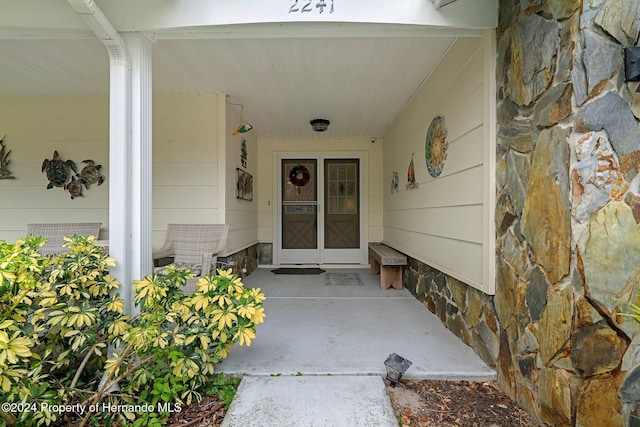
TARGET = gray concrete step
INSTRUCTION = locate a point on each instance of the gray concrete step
(311, 401)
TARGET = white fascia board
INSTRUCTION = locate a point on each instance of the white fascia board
(56, 19)
(315, 30)
(195, 15)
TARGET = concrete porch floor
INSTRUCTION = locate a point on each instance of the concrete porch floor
(319, 340)
(317, 329)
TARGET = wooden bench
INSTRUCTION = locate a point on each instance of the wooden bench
(388, 262)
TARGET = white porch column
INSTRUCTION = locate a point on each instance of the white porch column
(140, 51)
(129, 147)
(119, 172)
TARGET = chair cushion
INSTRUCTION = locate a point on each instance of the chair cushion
(195, 268)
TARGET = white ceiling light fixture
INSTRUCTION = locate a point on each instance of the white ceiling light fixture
(319, 125)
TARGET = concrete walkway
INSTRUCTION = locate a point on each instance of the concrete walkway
(318, 360)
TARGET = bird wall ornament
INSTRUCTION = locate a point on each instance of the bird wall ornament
(243, 127)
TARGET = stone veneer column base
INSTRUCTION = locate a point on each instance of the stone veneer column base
(243, 262)
(466, 311)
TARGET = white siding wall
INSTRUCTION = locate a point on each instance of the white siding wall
(241, 215)
(185, 156)
(35, 126)
(185, 161)
(267, 181)
(443, 223)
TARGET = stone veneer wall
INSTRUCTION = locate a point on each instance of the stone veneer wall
(265, 253)
(568, 243)
(246, 259)
(466, 311)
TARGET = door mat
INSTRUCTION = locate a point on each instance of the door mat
(343, 279)
(297, 271)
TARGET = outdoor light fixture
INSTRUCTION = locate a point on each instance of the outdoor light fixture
(396, 366)
(319, 125)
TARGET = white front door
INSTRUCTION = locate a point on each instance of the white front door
(320, 213)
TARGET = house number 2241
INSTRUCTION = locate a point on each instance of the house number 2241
(305, 6)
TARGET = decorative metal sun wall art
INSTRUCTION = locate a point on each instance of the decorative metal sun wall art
(435, 149)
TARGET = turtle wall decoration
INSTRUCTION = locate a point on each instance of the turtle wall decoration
(58, 171)
(74, 187)
(90, 174)
(64, 173)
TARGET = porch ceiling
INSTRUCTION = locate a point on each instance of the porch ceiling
(359, 76)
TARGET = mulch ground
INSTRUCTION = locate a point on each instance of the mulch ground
(439, 403)
(417, 403)
(209, 412)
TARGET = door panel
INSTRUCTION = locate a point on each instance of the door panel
(341, 233)
(342, 199)
(299, 211)
(342, 212)
(299, 229)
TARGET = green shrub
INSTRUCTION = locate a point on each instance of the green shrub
(63, 332)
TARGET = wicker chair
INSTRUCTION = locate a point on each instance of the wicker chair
(55, 233)
(193, 246)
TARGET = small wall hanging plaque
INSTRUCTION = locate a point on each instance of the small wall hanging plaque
(244, 185)
(411, 176)
(243, 153)
(394, 182)
(5, 173)
(435, 149)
